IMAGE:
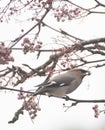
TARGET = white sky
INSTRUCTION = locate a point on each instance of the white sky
(52, 115)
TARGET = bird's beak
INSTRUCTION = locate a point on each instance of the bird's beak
(87, 73)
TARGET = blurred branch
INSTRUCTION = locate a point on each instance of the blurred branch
(65, 33)
(84, 101)
(16, 90)
(66, 98)
(90, 62)
(77, 101)
(40, 50)
(38, 24)
(93, 41)
(91, 46)
(61, 31)
(99, 3)
(89, 10)
(16, 115)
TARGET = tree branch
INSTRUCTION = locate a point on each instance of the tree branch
(99, 3)
(62, 32)
(16, 90)
(84, 101)
(92, 41)
(22, 75)
(38, 24)
(66, 98)
(90, 10)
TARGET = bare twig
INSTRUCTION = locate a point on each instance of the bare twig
(99, 3)
(16, 115)
(62, 32)
(90, 10)
(66, 98)
(16, 90)
(22, 75)
(38, 24)
(93, 41)
(84, 101)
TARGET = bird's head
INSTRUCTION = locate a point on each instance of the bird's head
(84, 72)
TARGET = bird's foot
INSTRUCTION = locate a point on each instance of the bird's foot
(66, 98)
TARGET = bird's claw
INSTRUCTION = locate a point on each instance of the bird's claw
(66, 98)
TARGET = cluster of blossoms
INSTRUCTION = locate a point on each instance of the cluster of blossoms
(5, 54)
(62, 13)
(97, 111)
(31, 107)
(67, 60)
(30, 46)
(29, 103)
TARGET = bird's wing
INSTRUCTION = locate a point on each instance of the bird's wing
(45, 87)
(48, 86)
(63, 81)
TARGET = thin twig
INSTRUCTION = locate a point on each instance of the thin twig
(67, 99)
(84, 101)
(16, 90)
(38, 23)
(99, 3)
(61, 31)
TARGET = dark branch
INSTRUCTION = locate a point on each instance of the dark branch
(99, 3)
(16, 115)
(92, 46)
(66, 98)
(62, 32)
(38, 24)
(84, 101)
(92, 41)
(16, 90)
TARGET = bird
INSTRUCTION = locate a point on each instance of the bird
(62, 84)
